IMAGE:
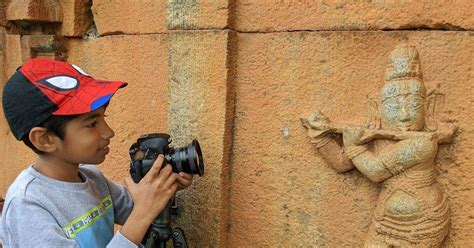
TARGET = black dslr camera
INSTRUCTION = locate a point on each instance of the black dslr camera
(147, 148)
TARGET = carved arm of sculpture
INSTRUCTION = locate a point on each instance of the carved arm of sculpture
(389, 162)
(327, 143)
(330, 149)
(445, 133)
(327, 139)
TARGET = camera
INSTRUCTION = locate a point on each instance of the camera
(145, 151)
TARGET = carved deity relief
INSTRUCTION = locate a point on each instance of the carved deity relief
(395, 148)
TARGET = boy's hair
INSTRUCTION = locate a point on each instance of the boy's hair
(55, 125)
(47, 92)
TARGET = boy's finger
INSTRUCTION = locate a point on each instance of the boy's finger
(170, 180)
(164, 173)
(166, 178)
(183, 181)
(155, 168)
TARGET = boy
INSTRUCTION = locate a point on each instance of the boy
(62, 200)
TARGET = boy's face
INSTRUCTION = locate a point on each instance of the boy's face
(86, 139)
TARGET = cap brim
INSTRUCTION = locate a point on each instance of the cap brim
(90, 97)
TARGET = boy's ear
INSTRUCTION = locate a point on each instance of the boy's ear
(43, 140)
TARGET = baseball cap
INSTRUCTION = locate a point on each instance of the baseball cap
(42, 87)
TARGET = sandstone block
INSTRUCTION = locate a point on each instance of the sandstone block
(3, 7)
(77, 17)
(130, 17)
(282, 15)
(13, 53)
(34, 11)
(201, 106)
(197, 14)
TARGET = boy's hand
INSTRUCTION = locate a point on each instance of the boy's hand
(150, 197)
(184, 180)
(153, 192)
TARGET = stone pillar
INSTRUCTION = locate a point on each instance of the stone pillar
(201, 106)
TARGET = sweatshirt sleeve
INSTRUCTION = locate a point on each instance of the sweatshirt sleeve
(121, 241)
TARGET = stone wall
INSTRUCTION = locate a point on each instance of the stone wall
(238, 75)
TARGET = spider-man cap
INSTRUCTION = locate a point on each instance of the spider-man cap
(44, 87)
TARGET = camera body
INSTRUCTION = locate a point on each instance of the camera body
(145, 151)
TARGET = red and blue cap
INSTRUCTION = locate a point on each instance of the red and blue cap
(44, 87)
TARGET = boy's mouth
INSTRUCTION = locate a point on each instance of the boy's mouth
(105, 149)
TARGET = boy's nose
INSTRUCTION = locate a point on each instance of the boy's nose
(107, 132)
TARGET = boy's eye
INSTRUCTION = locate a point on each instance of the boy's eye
(91, 125)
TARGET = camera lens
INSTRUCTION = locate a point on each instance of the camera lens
(197, 163)
(188, 159)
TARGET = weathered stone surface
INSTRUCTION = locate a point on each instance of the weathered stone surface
(34, 10)
(139, 108)
(3, 33)
(13, 54)
(13, 153)
(77, 17)
(201, 106)
(130, 17)
(282, 191)
(197, 14)
(3, 8)
(283, 15)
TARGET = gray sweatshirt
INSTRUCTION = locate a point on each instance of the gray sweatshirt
(43, 212)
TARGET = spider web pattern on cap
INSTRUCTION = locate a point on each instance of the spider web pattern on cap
(71, 89)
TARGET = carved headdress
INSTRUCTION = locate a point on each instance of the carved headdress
(403, 63)
(403, 74)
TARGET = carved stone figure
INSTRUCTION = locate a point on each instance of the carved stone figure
(396, 148)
